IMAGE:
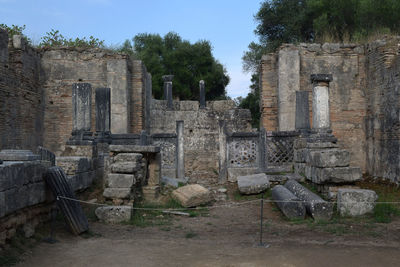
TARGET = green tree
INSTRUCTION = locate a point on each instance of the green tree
(189, 63)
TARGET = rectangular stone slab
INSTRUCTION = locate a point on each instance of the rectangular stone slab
(336, 175)
(253, 184)
(329, 158)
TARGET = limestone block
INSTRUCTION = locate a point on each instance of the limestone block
(114, 214)
(300, 143)
(132, 157)
(125, 167)
(120, 180)
(192, 195)
(74, 165)
(322, 145)
(253, 184)
(355, 202)
(288, 203)
(18, 41)
(233, 173)
(18, 155)
(335, 175)
(329, 158)
(281, 178)
(300, 155)
(117, 192)
(134, 148)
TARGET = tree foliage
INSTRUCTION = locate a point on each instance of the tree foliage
(189, 63)
(293, 21)
(15, 30)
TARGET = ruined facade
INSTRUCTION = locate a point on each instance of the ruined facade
(363, 97)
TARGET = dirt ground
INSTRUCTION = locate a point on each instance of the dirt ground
(226, 236)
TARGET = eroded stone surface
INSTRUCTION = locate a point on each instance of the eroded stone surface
(355, 202)
(288, 203)
(253, 184)
(114, 214)
(192, 195)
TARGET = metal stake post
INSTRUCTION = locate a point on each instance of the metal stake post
(262, 244)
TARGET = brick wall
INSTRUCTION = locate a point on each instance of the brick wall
(21, 96)
(347, 91)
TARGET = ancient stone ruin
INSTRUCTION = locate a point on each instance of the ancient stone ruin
(92, 113)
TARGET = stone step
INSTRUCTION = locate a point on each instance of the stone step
(119, 180)
(125, 167)
(128, 157)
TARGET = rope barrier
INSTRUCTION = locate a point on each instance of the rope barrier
(226, 205)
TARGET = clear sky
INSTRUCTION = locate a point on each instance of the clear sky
(228, 24)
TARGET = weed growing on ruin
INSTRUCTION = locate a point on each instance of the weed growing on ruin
(385, 212)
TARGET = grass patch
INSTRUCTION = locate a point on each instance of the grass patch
(385, 212)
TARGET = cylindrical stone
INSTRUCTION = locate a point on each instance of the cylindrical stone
(288, 203)
(202, 94)
(82, 106)
(318, 208)
(321, 117)
(103, 111)
(180, 153)
(302, 121)
(166, 78)
(169, 96)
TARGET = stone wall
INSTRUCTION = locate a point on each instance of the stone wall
(201, 132)
(347, 90)
(21, 94)
(383, 107)
(100, 68)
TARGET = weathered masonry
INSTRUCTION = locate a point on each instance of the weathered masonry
(364, 97)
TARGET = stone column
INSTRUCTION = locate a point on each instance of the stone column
(321, 117)
(169, 95)
(288, 84)
(180, 153)
(302, 112)
(81, 109)
(167, 79)
(222, 174)
(261, 150)
(103, 112)
(202, 94)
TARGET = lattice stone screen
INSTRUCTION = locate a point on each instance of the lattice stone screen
(243, 150)
(167, 143)
(279, 148)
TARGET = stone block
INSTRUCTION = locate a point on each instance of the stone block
(281, 178)
(18, 155)
(18, 41)
(114, 214)
(233, 173)
(329, 158)
(134, 149)
(120, 180)
(125, 167)
(300, 143)
(355, 202)
(288, 203)
(336, 175)
(192, 195)
(318, 208)
(74, 165)
(172, 182)
(117, 193)
(300, 155)
(131, 157)
(253, 184)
